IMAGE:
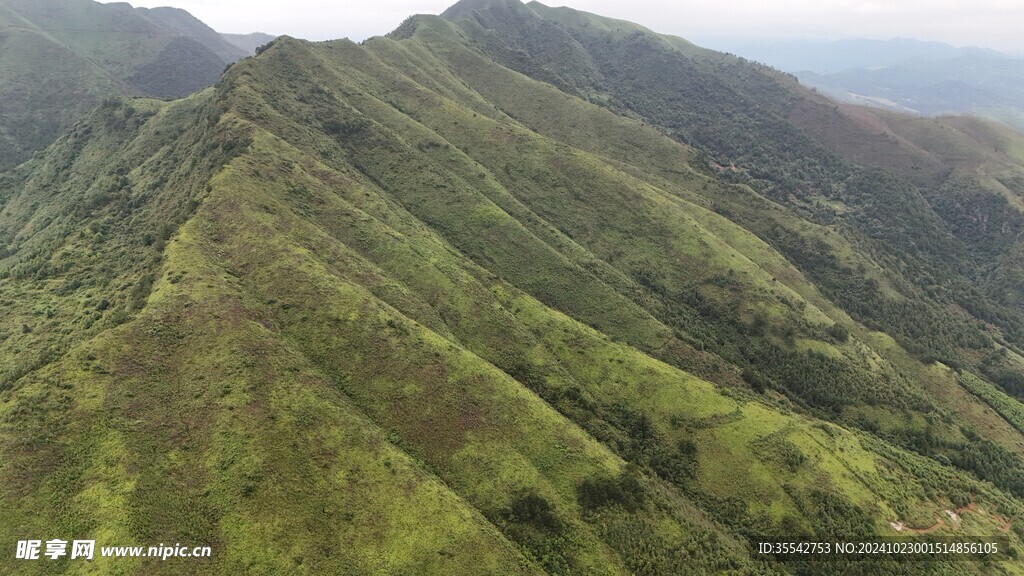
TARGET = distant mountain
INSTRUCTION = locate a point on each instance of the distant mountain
(904, 75)
(187, 25)
(59, 58)
(512, 290)
(977, 84)
(824, 57)
(249, 42)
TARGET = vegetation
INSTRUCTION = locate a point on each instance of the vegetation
(369, 308)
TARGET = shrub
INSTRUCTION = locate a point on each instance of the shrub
(600, 492)
(838, 333)
(532, 509)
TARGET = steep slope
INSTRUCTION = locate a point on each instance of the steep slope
(371, 309)
(515, 459)
(61, 58)
(761, 128)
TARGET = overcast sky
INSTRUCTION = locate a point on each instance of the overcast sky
(995, 24)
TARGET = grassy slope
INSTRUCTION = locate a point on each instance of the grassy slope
(371, 339)
(83, 226)
(621, 140)
(184, 340)
(271, 465)
(637, 72)
(885, 280)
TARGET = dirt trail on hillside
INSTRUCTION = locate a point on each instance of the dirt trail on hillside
(1004, 524)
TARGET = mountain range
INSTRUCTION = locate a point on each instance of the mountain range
(249, 42)
(910, 76)
(828, 57)
(58, 60)
(513, 289)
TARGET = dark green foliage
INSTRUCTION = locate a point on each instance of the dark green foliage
(820, 381)
(264, 47)
(758, 381)
(1011, 381)
(624, 491)
(920, 324)
(529, 508)
(840, 519)
(640, 442)
(780, 451)
(838, 333)
(532, 522)
(993, 462)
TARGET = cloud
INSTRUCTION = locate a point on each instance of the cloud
(990, 23)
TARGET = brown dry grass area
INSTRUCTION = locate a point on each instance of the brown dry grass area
(859, 135)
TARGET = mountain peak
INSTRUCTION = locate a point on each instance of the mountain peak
(466, 7)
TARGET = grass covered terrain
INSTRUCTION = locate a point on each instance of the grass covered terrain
(429, 305)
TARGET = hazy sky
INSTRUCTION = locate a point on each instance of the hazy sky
(995, 24)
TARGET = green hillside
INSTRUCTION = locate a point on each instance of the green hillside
(512, 290)
(60, 58)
